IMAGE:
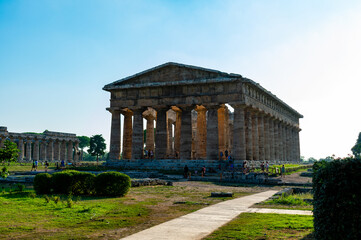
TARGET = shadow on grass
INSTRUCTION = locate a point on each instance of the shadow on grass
(232, 184)
(31, 194)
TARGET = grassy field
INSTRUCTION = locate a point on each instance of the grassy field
(294, 201)
(27, 216)
(253, 226)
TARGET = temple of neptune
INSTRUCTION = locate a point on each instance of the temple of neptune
(190, 109)
(50, 146)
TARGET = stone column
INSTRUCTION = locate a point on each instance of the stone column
(267, 144)
(28, 150)
(227, 131)
(21, 148)
(289, 143)
(221, 128)
(161, 134)
(212, 132)
(138, 134)
(63, 151)
(272, 139)
(239, 133)
(276, 140)
(43, 150)
(150, 133)
(50, 150)
(261, 137)
(177, 132)
(169, 138)
(255, 138)
(284, 142)
(76, 152)
(70, 151)
(127, 135)
(115, 133)
(249, 141)
(186, 133)
(280, 138)
(297, 139)
(36, 150)
(201, 133)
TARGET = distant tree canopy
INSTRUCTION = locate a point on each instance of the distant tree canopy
(356, 150)
(84, 142)
(97, 146)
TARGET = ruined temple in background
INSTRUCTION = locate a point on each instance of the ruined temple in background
(193, 122)
(50, 146)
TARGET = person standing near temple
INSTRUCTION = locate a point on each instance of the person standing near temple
(226, 153)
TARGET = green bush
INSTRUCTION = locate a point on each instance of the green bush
(112, 184)
(337, 194)
(42, 183)
(73, 182)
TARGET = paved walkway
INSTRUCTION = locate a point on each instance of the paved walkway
(201, 223)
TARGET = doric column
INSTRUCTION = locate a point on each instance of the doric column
(261, 137)
(28, 149)
(267, 144)
(177, 132)
(127, 135)
(239, 133)
(284, 142)
(169, 137)
(76, 152)
(255, 136)
(297, 139)
(272, 139)
(289, 143)
(212, 132)
(281, 145)
(63, 151)
(249, 135)
(276, 140)
(115, 133)
(36, 150)
(50, 150)
(221, 128)
(138, 134)
(186, 133)
(227, 131)
(161, 133)
(201, 133)
(70, 151)
(43, 150)
(150, 133)
(21, 148)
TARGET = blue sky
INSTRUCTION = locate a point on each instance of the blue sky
(55, 57)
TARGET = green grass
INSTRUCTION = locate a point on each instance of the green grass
(265, 226)
(294, 201)
(27, 216)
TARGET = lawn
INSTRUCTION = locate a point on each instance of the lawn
(265, 226)
(294, 201)
(27, 216)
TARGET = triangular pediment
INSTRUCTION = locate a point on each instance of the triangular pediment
(169, 72)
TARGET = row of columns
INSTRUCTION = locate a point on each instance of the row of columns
(253, 136)
(50, 150)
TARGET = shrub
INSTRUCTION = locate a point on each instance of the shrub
(42, 183)
(73, 182)
(337, 194)
(112, 184)
(20, 187)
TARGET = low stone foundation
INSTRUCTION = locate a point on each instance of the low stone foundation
(178, 164)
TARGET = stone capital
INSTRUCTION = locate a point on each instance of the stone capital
(186, 107)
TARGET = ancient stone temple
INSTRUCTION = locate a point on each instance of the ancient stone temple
(50, 146)
(190, 109)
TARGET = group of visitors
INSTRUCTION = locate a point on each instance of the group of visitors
(226, 155)
(36, 163)
(148, 154)
(187, 172)
(265, 166)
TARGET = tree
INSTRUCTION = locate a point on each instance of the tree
(8, 154)
(356, 150)
(84, 142)
(97, 146)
